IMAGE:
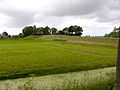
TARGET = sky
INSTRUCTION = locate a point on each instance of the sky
(96, 17)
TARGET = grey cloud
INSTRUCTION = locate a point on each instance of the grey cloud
(108, 16)
(102, 10)
(19, 18)
(23, 18)
(111, 13)
(77, 7)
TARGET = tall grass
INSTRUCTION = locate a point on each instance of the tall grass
(101, 79)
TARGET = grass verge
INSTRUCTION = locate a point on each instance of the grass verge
(99, 79)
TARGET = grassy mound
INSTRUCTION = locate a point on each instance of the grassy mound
(83, 40)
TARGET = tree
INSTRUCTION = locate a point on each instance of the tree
(65, 29)
(114, 33)
(28, 31)
(54, 30)
(46, 30)
(117, 80)
(5, 33)
(20, 33)
(61, 32)
(71, 29)
(40, 30)
(76, 29)
(34, 30)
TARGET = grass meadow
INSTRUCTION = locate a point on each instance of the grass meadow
(21, 58)
(45, 55)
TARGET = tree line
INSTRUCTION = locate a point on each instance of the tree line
(32, 30)
(73, 30)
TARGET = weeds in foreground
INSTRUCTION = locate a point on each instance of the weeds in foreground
(101, 79)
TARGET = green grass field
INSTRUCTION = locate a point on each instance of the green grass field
(43, 55)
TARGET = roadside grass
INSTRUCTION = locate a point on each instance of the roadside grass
(37, 56)
(99, 79)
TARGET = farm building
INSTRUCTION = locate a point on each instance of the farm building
(67, 32)
(3, 36)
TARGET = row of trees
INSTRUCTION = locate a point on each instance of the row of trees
(32, 30)
(72, 30)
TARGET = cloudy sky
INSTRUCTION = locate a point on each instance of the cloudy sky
(97, 17)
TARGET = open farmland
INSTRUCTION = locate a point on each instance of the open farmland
(43, 55)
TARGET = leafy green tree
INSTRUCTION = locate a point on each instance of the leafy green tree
(46, 30)
(54, 30)
(5, 33)
(20, 33)
(40, 30)
(35, 31)
(29, 30)
(71, 29)
(61, 32)
(76, 29)
(114, 33)
(65, 29)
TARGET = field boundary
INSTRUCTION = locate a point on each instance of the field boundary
(43, 72)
